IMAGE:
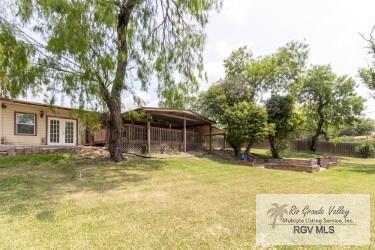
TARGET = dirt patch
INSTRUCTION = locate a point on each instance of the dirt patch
(217, 230)
(92, 153)
(101, 153)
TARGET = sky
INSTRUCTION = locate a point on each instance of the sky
(331, 28)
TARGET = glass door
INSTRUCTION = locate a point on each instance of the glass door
(62, 131)
(54, 131)
(69, 132)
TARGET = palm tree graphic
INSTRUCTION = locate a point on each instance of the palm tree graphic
(277, 211)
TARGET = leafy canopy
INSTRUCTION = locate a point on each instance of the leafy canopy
(286, 121)
(248, 78)
(246, 122)
(74, 47)
(271, 73)
(362, 126)
(329, 100)
(368, 74)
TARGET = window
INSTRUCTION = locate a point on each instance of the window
(25, 124)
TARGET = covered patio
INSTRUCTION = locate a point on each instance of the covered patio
(181, 130)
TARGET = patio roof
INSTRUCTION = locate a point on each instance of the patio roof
(175, 116)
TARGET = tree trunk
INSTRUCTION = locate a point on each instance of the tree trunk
(236, 151)
(248, 148)
(314, 141)
(318, 131)
(274, 151)
(113, 99)
(115, 124)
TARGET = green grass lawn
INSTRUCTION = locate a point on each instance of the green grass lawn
(53, 201)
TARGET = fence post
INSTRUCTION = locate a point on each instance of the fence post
(148, 134)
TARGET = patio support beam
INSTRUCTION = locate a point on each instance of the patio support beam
(210, 138)
(148, 133)
(184, 134)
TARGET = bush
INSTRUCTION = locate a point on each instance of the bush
(365, 149)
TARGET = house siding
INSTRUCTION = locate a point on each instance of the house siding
(7, 124)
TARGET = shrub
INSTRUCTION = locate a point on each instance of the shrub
(365, 149)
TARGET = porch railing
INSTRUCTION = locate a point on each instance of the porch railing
(134, 138)
(138, 133)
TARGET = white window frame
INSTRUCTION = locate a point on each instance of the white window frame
(16, 124)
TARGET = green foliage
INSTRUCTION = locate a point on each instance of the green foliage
(237, 63)
(365, 149)
(78, 45)
(93, 120)
(286, 121)
(328, 100)
(248, 78)
(17, 73)
(134, 115)
(362, 126)
(275, 72)
(368, 73)
(246, 123)
(219, 97)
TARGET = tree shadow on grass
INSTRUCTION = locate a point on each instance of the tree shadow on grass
(37, 188)
(357, 168)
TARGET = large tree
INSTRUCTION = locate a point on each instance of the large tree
(328, 101)
(285, 120)
(94, 51)
(245, 122)
(248, 79)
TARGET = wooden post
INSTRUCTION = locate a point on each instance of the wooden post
(184, 134)
(148, 134)
(210, 138)
(225, 141)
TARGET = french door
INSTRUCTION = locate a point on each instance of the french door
(62, 131)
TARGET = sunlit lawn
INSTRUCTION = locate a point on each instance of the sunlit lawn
(52, 201)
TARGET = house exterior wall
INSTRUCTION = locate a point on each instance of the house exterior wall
(7, 124)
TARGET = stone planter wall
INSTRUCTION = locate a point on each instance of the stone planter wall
(309, 166)
(292, 167)
(26, 150)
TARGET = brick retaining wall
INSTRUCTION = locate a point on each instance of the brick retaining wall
(292, 167)
(25, 150)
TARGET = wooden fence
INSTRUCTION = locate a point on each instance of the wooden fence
(323, 147)
(328, 148)
(217, 141)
